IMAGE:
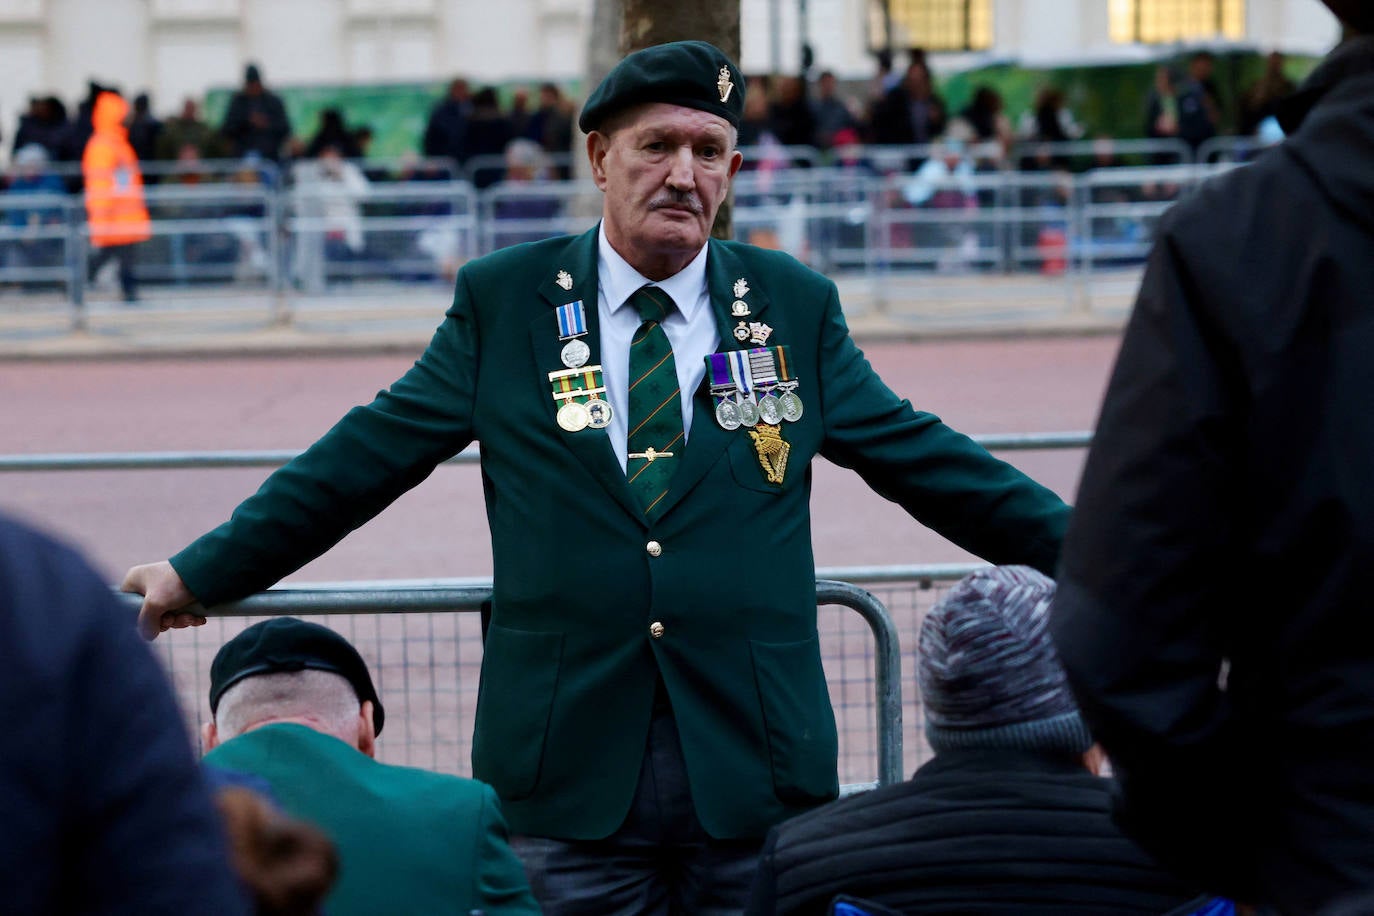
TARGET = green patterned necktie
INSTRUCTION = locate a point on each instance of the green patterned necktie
(655, 418)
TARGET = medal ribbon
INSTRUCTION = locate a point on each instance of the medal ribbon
(572, 320)
(740, 372)
(564, 386)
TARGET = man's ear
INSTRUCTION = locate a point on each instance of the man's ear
(367, 731)
(736, 160)
(597, 146)
(209, 737)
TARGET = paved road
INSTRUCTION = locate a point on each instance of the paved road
(439, 529)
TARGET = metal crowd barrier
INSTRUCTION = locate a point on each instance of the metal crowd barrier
(427, 657)
(275, 458)
(1040, 233)
(187, 664)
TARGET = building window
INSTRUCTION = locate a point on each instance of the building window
(936, 25)
(1162, 21)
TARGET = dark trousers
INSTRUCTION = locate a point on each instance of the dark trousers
(661, 862)
(125, 255)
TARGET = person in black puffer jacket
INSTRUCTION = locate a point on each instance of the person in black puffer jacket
(1009, 816)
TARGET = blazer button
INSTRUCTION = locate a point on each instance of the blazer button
(654, 548)
(656, 629)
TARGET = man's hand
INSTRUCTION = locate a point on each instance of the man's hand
(164, 595)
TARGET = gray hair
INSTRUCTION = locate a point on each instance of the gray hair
(323, 696)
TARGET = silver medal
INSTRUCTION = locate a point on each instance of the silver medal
(598, 413)
(727, 415)
(572, 416)
(576, 353)
(748, 412)
(770, 410)
(791, 406)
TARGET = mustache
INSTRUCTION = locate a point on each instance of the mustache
(685, 199)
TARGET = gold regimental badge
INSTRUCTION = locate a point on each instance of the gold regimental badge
(772, 450)
(564, 279)
(723, 83)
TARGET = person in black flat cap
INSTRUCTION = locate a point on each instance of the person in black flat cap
(649, 401)
(1214, 609)
(256, 121)
(293, 704)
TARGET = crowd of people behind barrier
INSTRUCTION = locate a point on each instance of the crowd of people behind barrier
(791, 123)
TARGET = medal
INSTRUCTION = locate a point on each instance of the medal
(741, 374)
(791, 405)
(572, 416)
(770, 410)
(576, 353)
(572, 324)
(788, 401)
(598, 413)
(748, 411)
(727, 415)
(578, 394)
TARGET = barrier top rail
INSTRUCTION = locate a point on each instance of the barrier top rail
(382, 598)
(272, 458)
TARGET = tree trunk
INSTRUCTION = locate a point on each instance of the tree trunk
(652, 22)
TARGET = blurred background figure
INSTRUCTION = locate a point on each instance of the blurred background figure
(105, 808)
(189, 129)
(446, 133)
(488, 132)
(144, 129)
(32, 180)
(115, 211)
(333, 132)
(256, 121)
(521, 202)
(1262, 100)
(287, 865)
(46, 125)
(551, 125)
(830, 112)
(328, 196)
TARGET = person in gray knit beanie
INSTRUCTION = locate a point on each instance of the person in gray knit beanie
(988, 671)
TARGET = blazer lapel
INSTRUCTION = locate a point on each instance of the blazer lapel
(707, 441)
(577, 263)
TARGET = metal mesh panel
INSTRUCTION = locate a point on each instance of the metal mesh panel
(426, 666)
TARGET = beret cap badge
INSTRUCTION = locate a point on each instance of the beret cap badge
(724, 84)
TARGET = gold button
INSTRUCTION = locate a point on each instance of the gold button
(655, 629)
(654, 548)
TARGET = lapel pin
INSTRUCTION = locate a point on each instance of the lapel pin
(758, 332)
(739, 308)
(741, 331)
(564, 279)
(741, 288)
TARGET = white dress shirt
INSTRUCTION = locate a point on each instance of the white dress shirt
(691, 330)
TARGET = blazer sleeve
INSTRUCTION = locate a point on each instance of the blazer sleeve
(374, 454)
(499, 883)
(1138, 618)
(941, 477)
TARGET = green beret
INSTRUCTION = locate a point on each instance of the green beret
(290, 644)
(692, 74)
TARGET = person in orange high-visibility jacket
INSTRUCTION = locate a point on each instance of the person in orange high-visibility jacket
(115, 211)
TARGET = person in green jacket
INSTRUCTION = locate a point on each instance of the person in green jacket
(648, 401)
(293, 704)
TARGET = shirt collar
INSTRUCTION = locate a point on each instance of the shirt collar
(619, 280)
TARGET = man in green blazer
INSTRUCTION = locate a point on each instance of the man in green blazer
(294, 705)
(648, 402)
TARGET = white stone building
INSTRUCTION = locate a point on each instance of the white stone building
(178, 48)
